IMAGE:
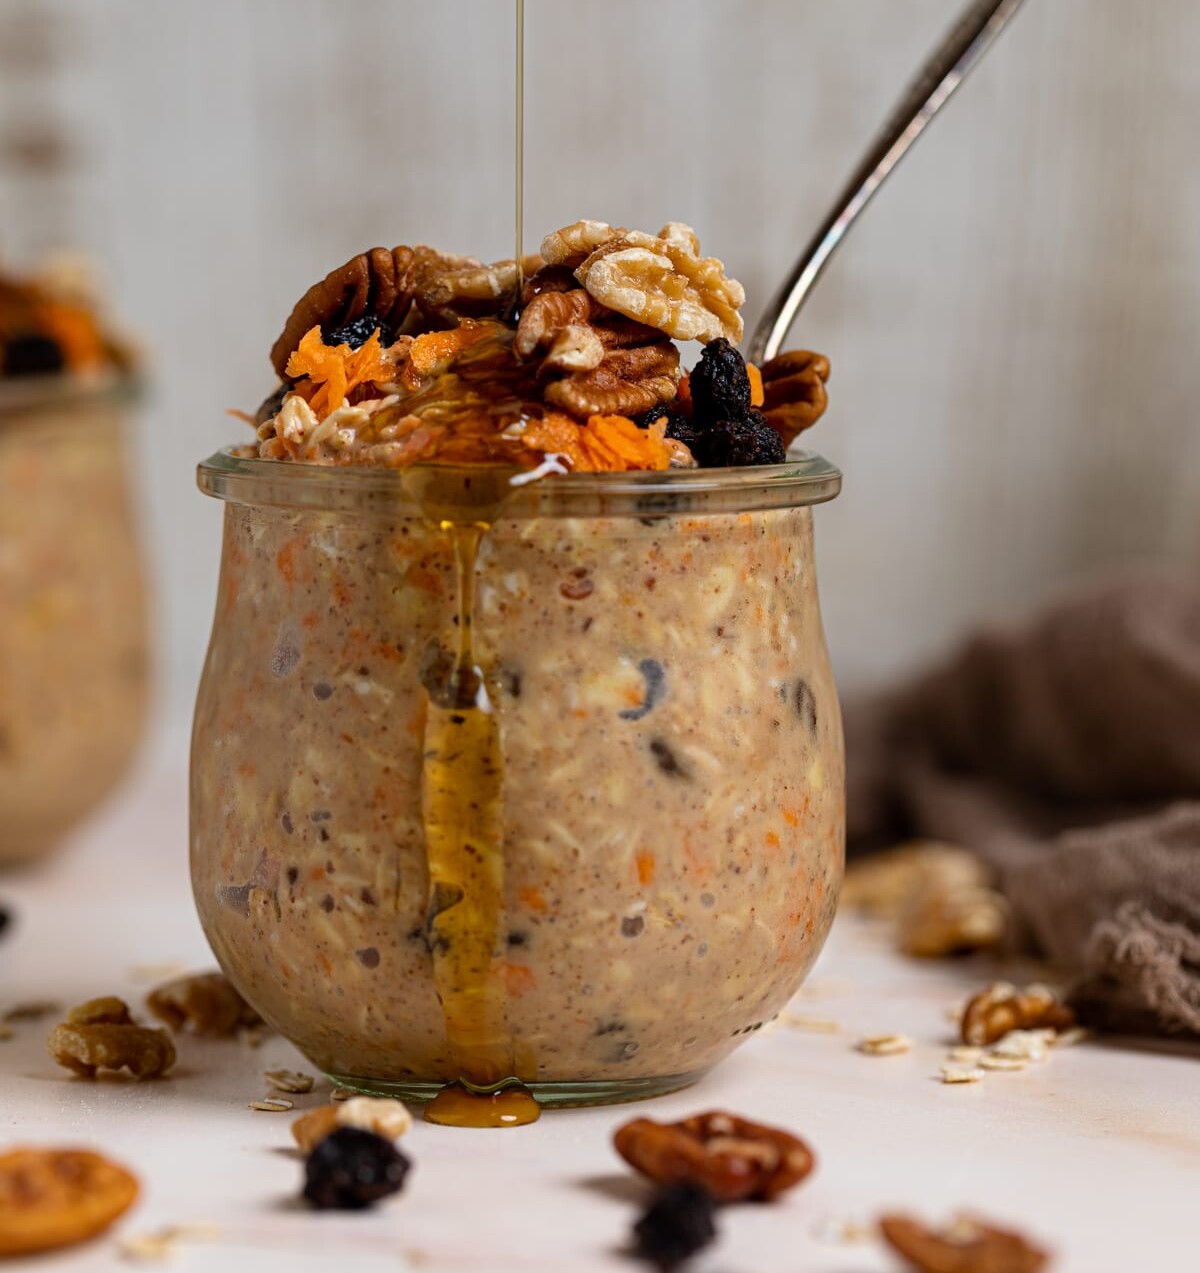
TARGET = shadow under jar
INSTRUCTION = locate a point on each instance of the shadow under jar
(543, 782)
(74, 665)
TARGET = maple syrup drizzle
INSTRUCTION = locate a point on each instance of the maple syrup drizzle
(464, 845)
(520, 145)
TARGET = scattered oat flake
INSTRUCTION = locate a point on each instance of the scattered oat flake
(165, 971)
(816, 1025)
(960, 1074)
(884, 1045)
(995, 1061)
(964, 1055)
(1069, 1038)
(340, 1094)
(838, 1231)
(289, 1080)
(7, 1032)
(1024, 1045)
(163, 1244)
(273, 1105)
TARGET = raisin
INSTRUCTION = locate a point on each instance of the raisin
(679, 426)
(750, 440)
(655, 679)
(678, 1223)
(719, 384)
(33, 354)
(5, 918)
(357, 333)
(351, 1169)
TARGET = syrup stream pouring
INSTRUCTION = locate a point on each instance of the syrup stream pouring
(951, 62)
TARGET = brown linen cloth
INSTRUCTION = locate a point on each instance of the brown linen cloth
(1066, 751)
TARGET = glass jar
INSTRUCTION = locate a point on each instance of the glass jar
(73, 632)
(571, 807)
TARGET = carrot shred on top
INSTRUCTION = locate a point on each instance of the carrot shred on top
(337, 370)
(605, 444)
(756, 385)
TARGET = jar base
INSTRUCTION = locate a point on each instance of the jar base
(548, 1095)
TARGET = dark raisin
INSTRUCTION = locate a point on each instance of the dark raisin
(806, 705)
(33, 354)
(679, 426)
(678, 1223)
(5, 918)
(517, 939)
(322, 690)
(351, 1169)
(656, 684)
(632, 926)
(368, 957)
(729, 443)
(666, 759)
(357, 333)
(719, 384)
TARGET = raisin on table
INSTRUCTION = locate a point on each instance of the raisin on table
(678, 1223)
(352, 1169)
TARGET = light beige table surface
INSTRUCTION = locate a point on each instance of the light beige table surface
(1096, 1150)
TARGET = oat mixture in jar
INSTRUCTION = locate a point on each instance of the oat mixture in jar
(73, 641)
(512, 762)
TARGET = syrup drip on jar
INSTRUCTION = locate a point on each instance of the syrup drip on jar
(462, 813)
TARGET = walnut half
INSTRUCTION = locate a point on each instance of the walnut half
(101, 1035)
(730, 1157)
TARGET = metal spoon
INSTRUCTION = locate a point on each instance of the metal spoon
(950, 64)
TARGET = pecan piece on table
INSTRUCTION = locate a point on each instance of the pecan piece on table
(794, 396)
(1000, 1008)
(628, 382)
(968, 1246)
(731, 1157)
(379, 282)
(101, 1035)
(204, 1003)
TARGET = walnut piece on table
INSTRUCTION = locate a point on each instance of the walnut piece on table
(102, 1035)
(204, 1003)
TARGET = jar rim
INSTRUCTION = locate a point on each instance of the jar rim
(449, 490)
(24, 396)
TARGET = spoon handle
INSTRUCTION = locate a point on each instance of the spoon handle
(952, 61)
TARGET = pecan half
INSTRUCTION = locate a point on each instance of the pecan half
(628, 382)
(968, 1246)
(731, 1157)
(452, 288)
(101, 1035)
(1000, 1008)
(794, 396)
(204, 1003)
(379, 282)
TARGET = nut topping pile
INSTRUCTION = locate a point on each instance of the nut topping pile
(408, 355)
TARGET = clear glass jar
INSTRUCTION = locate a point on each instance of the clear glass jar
(74, 664)
(657, 863)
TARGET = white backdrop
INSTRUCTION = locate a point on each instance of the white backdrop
(1013, 328)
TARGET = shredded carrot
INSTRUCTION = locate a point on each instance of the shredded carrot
(606, 444)
(433, 351)
(337, 370)
(533, 899)
(756, 385)
(75, 332)
(683, 392)
(519, 979)
(645, 866)
(242, 415)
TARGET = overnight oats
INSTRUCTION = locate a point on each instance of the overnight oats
(73, 656)
(517, 760)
